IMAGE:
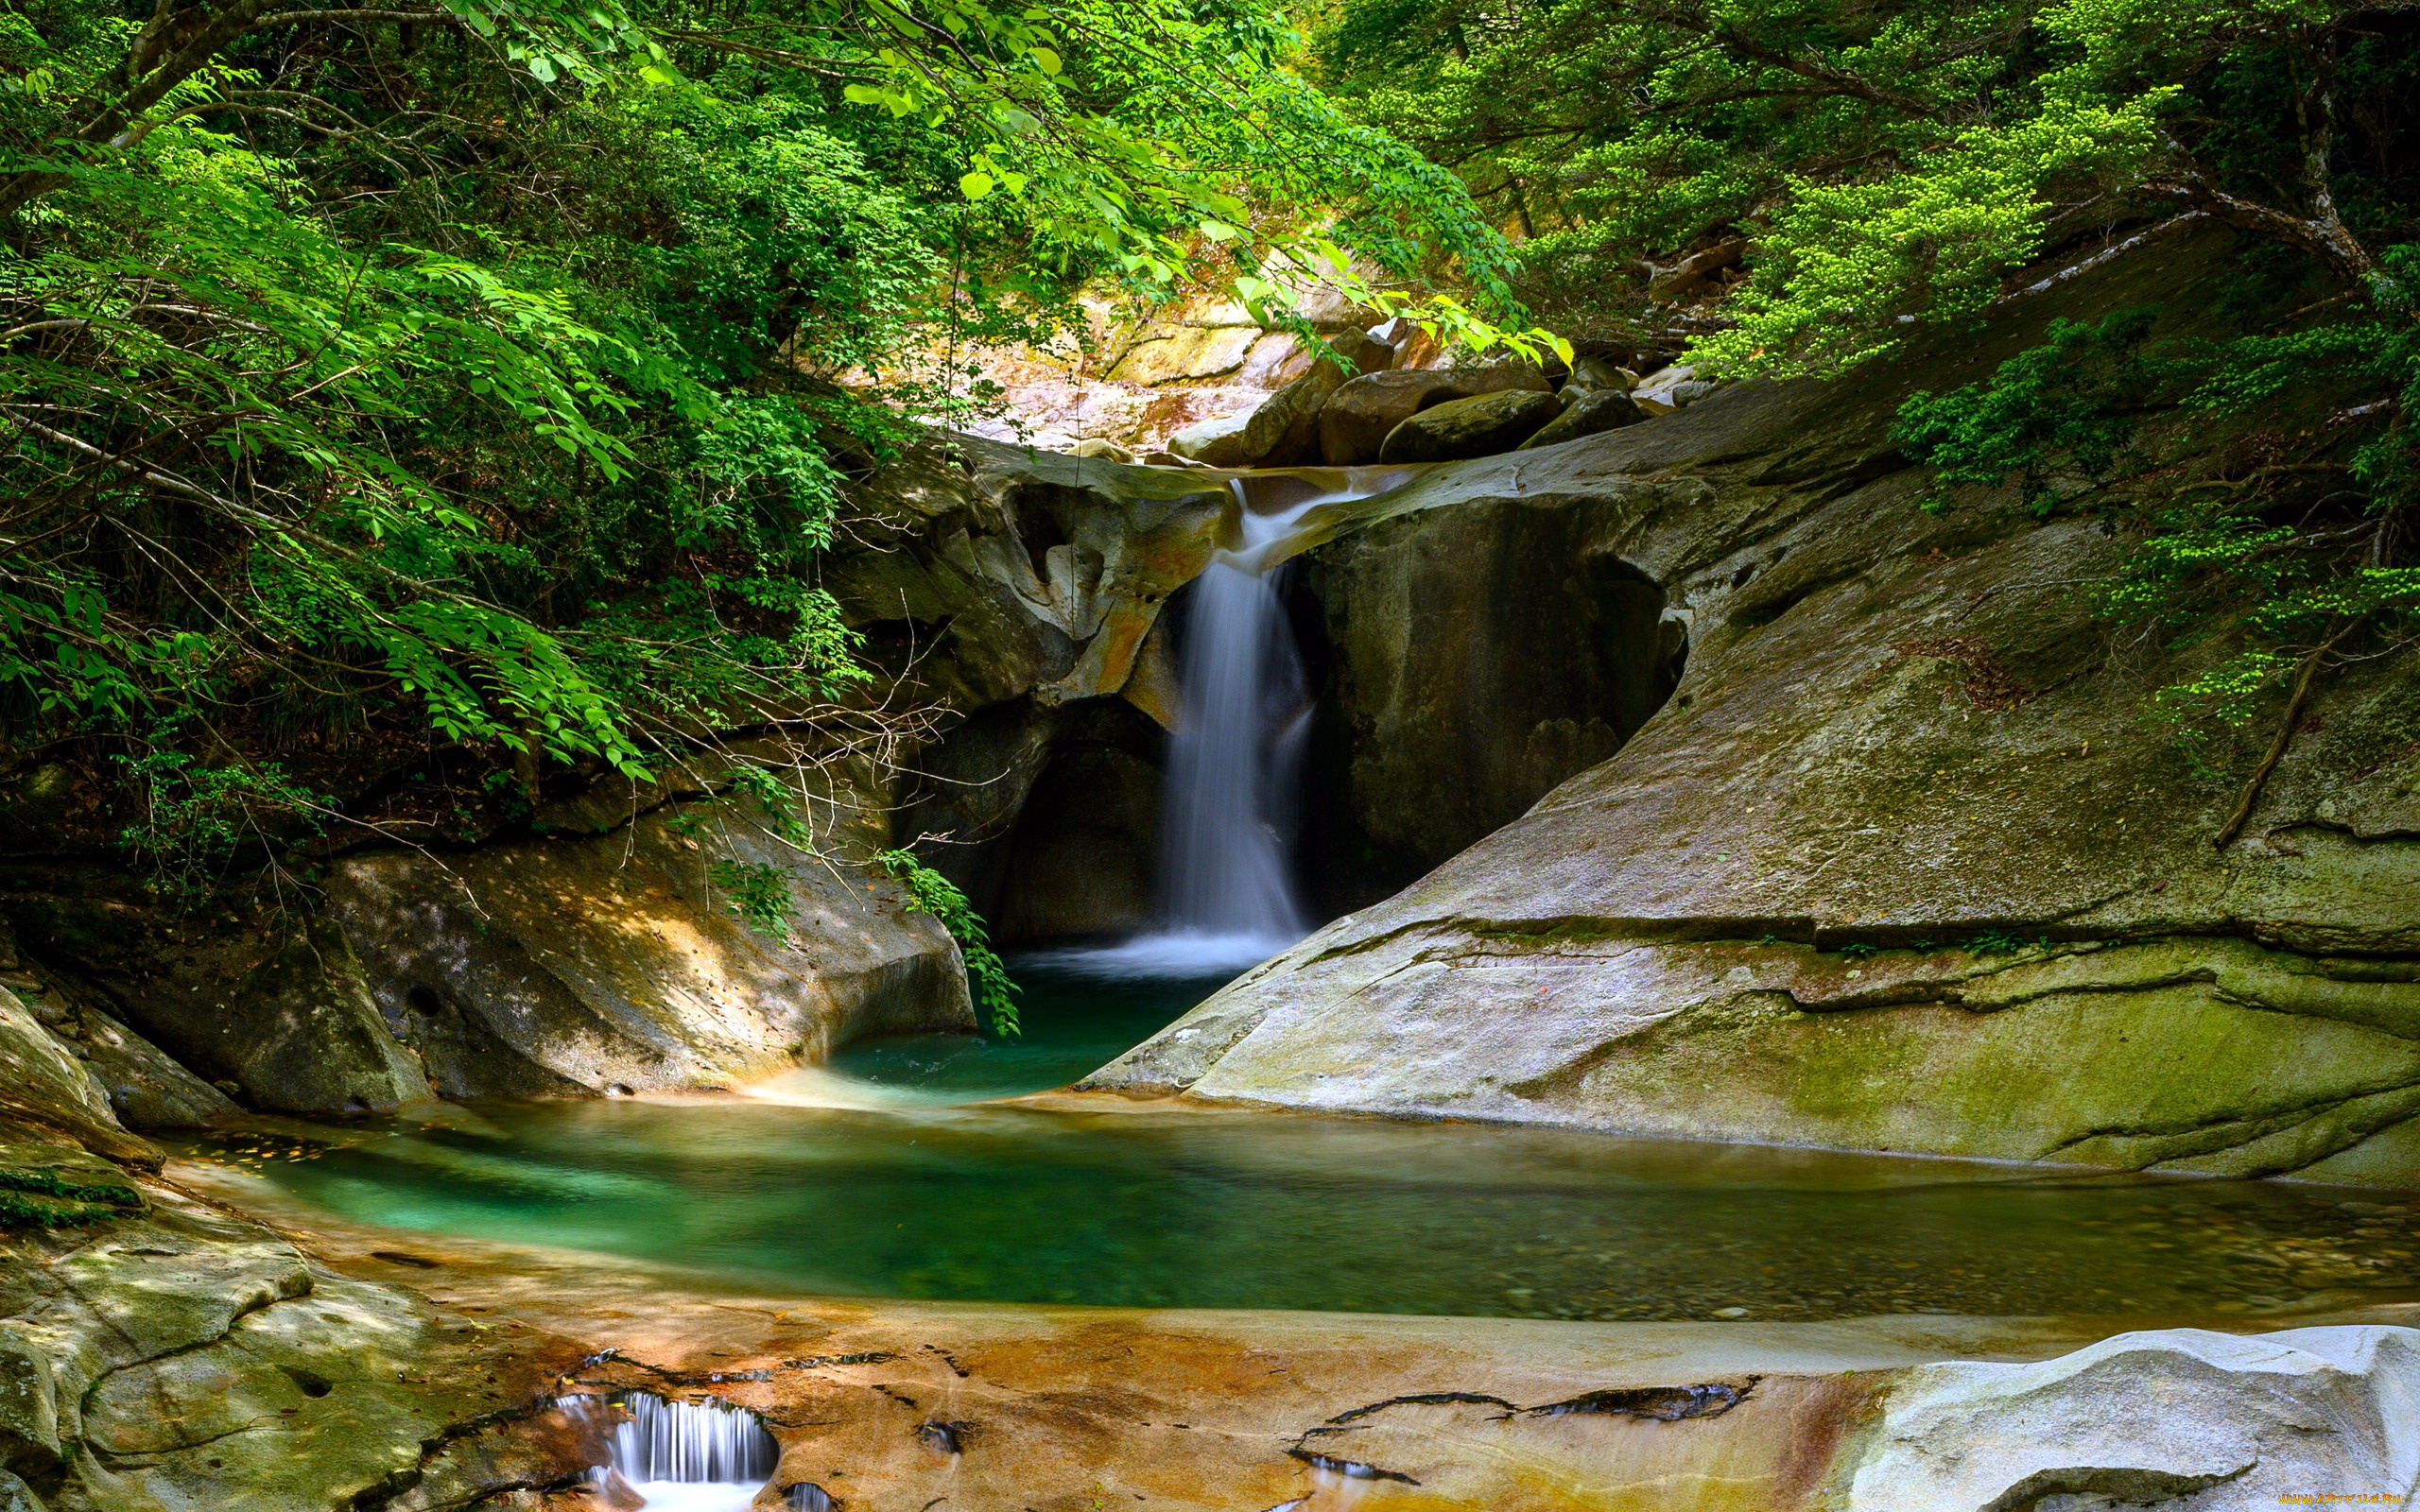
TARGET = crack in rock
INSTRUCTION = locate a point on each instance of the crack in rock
(1352, 1469)
(1427, 1399)
(1663, 1405)
(2133, 1487)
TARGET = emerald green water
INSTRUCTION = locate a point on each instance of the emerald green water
(1168, 1208)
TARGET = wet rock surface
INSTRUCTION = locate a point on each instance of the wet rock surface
(591, 965)
(192, 1360)
(158, 1351)
(1358, 418)
(1586, 412)
(2184, 1419)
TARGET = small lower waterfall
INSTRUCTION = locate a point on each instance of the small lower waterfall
(684, 1456)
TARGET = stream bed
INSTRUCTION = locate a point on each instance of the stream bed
(879, 1179)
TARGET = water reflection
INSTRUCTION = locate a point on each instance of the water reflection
(1193, 1209)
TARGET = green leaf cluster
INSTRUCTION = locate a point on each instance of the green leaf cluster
(930, 892)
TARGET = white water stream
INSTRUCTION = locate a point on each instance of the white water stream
(684, 1456)
(1227, 893)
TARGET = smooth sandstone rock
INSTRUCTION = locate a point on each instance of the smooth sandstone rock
(272, 1004)
(1586, 412)
(309, 1037)
(1356, 420)
(1226, 441)
(1102, 450)
(190, 1360)
(47, 1095)
(1481, 426)
(146, 1088)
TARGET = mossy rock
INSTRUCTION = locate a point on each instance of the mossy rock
(49, 1187)
(1481, 426)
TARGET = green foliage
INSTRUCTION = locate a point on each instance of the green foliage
(479, 382)
(2073, 401)
(2285, 548)
(195, 821)
(930, 892)
(757, 894)
(43, 1198)
(1859, 950)
(1790, 187)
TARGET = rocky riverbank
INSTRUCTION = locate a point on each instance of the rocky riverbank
(894, 1403)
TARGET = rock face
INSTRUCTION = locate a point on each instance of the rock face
(579, 966)
(1285, 431)
(1356, 420)
(1082, 860)
(46, 1097)
(1480, 425)
(1020, 591)
(273, 1005)
(191, 1359)
(2186, 1420)
(1483, 654)
(600, 955)
(1899, 733)
(156, 1353)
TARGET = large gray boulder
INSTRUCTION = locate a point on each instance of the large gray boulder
(147, 1088)
(2183, 1419)
(1284, 430)
(1585, 412)
(1900, 731)
(47, 1096)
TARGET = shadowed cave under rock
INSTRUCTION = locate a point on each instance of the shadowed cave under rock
(1450, 691)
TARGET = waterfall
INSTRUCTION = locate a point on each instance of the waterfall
(1227, 893)
(683, 1457)
(1234, 760)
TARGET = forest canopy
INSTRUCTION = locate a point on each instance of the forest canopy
(478, 382)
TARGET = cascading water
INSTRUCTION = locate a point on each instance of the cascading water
(1227, 896)
(686, 1456)
(1235, 762)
